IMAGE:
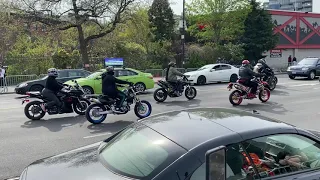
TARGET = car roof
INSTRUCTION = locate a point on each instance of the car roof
(192, 127)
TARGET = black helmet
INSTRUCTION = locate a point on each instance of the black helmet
(171, 63)
(110, 69)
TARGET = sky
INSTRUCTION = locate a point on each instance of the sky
(176, 5)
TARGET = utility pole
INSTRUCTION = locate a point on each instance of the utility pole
(183, 31)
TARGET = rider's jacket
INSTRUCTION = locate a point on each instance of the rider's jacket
(53, 85)
(172, 74)
(246, 73)
(109, 86)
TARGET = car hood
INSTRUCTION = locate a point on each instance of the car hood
(78, 164)
(191, 73)
(29, 82)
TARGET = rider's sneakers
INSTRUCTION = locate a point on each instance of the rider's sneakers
(43, 107)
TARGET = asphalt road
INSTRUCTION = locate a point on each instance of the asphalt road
(23, 141)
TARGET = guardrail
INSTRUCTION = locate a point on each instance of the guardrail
(162, 72)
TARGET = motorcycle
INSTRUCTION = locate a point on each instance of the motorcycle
(166, 89)
(270, 78)
(236, 97)
(103, 105)
(72, 97)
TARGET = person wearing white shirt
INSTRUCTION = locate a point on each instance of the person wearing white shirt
(2, 75)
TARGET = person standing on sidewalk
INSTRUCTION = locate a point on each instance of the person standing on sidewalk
(289, 61)
(2, 75)
(294, 61)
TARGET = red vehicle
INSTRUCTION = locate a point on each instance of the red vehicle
(242, 91)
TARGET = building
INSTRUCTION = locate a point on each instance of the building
(293, 5)
(299, 36)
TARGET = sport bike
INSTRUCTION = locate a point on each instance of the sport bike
(270, 78)
(236, 97)
(71, 96)
(103, 105)
(166, 89)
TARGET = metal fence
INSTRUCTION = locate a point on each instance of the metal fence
(162, 72)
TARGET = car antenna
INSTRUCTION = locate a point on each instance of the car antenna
(178, 175)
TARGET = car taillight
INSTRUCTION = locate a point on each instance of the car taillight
(151, 77)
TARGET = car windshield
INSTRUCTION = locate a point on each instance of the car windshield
(93, 75)
(308, 61)
(140, 152)
(44, 78)
(204, 67)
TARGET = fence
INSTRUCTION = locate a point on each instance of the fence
(162, 72)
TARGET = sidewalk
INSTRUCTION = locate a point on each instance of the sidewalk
(10, 90)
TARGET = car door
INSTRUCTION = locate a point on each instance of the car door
(97, 82)
(226, 72)
(127, 75)
(213, 74)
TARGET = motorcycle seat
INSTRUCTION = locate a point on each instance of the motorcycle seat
(106, 99)
(34, 93)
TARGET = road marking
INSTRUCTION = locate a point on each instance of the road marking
(298, 85)
(87, 137)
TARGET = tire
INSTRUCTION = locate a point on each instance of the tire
(233, 94)
(272, 85)
(36, 88)
(38, 105)
(312, 75)
(88, 90)
(276, 80)
(262, 99)
(165, 95)
(201, 80)
(291, 77)
(188, 90)
(233, 78)
(77, 110)
(92, 107)
(140, 87)
(137, 108)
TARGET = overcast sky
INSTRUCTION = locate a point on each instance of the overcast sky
(176, 5)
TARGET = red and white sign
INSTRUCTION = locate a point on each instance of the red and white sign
(275, 53)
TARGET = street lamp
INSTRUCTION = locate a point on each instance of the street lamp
(183, 28)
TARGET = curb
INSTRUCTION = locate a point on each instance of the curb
(7, 93)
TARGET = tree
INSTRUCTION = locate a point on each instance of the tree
(223, 20)
(258, 36)
(105, 15)
(62, 59)
(161, 20)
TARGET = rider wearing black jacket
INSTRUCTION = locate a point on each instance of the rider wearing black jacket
(246, 74)
(109, 86)
(51, 89)
(265, 68)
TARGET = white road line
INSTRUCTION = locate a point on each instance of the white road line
(87, 137)
(298, 85)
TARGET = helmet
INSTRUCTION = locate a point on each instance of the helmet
(245, 62)
(171, 63)
(262, 61)
(110, 69)
(53, 72)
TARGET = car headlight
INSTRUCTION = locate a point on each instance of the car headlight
(23, 85)
(288, 69)
(305, 69)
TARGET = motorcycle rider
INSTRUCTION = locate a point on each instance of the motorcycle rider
(246, 75)
(171, 77)
(265, 69)
(51, 89)
(109, 87)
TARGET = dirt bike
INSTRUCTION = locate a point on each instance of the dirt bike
(71, 96)
(166, 89)
(103, 105)
(236, 97)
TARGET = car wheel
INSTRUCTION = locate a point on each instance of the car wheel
(312, 75)
(291, 77)
(201, 80)
(36, 88)
(233, 78)
(87, 90)
(140, 87)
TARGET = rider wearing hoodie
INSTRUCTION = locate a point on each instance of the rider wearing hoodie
(171, 77)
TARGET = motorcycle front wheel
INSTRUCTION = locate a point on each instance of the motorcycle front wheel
(142, 109)
(81, 109)
(34, 111)
(160, 95)
(264, 95)
(190, 93)
(93, 113)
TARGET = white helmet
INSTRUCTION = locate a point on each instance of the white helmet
(53, 72)
(259, 65)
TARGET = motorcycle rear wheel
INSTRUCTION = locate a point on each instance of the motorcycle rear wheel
(36, 107)
(77, 109)
(95, 108)
(160, 95)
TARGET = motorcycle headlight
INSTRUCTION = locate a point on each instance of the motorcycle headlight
(305, 69)
(23, 85)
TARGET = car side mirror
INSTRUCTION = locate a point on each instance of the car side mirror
(212, 70)
(216, 163)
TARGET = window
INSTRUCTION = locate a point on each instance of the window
(139, 152)
(95, 75)
(62, 74)
(236, 167)
(224, 67)
(126, 73)
(217, 67)
(281, 154)
(74, 74)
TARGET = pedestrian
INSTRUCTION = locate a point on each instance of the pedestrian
(294, 61)
(289, 61)
(2, 75)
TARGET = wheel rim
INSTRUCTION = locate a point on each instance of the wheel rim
(95, 115)
(86, 91)
(139, 87)
(201, 80)
(160, 95)
(84, 104)
(143, 109)
(236, 98)
(312, 75)
(34, 110)
(265, 95)
(190, 92)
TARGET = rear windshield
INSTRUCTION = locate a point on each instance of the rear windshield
(139, 152)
